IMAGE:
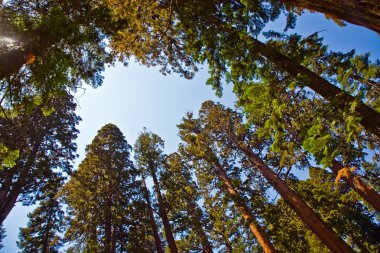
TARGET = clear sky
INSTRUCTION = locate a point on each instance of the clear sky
(137, 97)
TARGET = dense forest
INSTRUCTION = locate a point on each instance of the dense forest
(234, 183)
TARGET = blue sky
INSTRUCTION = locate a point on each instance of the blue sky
(137, 97)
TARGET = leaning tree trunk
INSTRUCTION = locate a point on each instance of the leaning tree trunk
(12, 61)
(153, 223)
(370, 119)
(359, 12)
(326, 234)
(164, 216)
(245, 211)
(195, 211)
(354, 181)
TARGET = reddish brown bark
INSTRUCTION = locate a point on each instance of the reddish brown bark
(245, 211)
(164, 216)
(354, 181)
(359, 12)
(327, 235)
(153, 223)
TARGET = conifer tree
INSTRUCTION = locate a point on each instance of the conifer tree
(43, 133)
(105, 199)
(201, 146)
(182, 195)
(45, 225)
(149, 157)
(226, 127)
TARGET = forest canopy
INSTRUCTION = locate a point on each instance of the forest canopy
(233, 184)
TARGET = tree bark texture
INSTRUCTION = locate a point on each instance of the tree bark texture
(245, 211)
(354, 181)
(164, 216)
(359, 12)
(326, 234)
(370, 119)
(153, 223)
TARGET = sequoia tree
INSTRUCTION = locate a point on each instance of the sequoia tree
(182, 194)
(43, 133)
(226, 126)
(105, 198)
(149, 157)
(199, 145)
(46, 222)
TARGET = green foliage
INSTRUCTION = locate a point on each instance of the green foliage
(8, 157)
(45, 225)
(104, 197)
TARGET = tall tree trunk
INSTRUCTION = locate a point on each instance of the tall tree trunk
(327, 235)
(370, 119)
(206, 245)
(108, 231)
(12, 61)
(164, 216)
(359, 12)
(114, 239)
(153, 223)
(45, 246)
(7, 203)
(244, 209)
(354, 181)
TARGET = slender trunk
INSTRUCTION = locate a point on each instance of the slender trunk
(164, 216)
(107, 232)
(354, 181)
(244, 210)
(206, 245)
(114, 239)
(45, 246)
(370, 119)
(327, 235)
(153, 223)
(228, 245)
(363, 13)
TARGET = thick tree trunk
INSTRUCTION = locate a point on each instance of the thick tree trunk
(8, 204)
(153, 223)
(370, 119)
(244, 210)
(359, 12)
(12, 61)
(354, 181)
(327, 235)
(164, 216)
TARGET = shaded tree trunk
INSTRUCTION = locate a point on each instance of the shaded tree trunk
(370, 119)
(244, 210)
(206, 245)
(108, 231)
(153, 223)
(326, 234)
(363, 12)
(354, 181)
(164, 216)
(10, 198)
(12, 61)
